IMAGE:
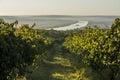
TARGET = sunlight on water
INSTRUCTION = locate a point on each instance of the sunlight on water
(79, 24)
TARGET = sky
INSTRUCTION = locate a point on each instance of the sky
(59, 7)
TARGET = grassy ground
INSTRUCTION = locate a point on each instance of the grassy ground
(56, 66)
(56, 69)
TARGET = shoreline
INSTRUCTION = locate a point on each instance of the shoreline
(77, 25)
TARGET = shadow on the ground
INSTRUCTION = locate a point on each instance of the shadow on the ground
(58, 68)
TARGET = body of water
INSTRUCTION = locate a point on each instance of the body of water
(63, 22)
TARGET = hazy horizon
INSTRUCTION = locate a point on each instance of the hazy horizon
(53, 15)
(61, 7)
